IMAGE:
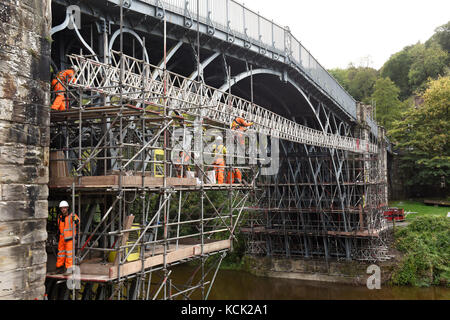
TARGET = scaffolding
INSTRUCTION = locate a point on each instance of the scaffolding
(324, 203)
(120, 150)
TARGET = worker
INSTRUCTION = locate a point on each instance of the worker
(182, 163)
(62, 79)
(240, 125)
(219, 151)
(234, 176)
(67, 227)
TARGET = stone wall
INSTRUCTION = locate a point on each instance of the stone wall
(24, 139)
(346, 272)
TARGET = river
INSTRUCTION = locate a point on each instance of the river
(240, 285)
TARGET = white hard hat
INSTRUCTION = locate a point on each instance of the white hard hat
(63, 204)
(219, 138)
(75, 68)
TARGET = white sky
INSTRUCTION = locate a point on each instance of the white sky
(338, 32)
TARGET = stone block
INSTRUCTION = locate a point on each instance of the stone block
(10, 233)
(21, 192)
(35, 292)
(10, 174)
(33, 231)
(36, 274)
(11, 282)
(14, 257)
(23, 210)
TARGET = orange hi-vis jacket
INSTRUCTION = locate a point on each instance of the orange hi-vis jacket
(66, 77)
(240, 124)
(68, 227)
(63, 77)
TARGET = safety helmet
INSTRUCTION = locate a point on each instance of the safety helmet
(63, 204)
(75, 68)
(219, 139)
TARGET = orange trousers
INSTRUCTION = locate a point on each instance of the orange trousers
(219, 167)
(234, 177)
(59, 103)
(65, 253)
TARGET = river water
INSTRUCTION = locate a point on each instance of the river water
(239, 285)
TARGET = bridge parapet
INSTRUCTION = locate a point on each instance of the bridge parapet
(235, 20)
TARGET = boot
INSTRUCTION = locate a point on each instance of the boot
(60, 270)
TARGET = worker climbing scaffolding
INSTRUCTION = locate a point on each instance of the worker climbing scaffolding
(239, 126)
(59, 85)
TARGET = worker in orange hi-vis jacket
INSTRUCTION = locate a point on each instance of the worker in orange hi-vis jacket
(67, 226)
(234, 176)
(240, 125)
(64, 77)
(219, 152)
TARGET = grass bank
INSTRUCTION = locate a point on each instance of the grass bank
(421, 209)
(425, 243)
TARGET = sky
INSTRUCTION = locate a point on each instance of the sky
(362, 32)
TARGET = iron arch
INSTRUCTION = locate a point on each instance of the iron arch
(249, 73)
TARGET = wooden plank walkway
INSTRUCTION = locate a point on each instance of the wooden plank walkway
(95, 270)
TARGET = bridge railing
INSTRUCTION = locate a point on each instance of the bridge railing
(145, 83)
(232, 17)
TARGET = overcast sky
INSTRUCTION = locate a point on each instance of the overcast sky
(338, 32)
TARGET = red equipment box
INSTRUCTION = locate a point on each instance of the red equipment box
(394, 214)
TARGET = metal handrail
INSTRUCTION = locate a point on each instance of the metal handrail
(219, 106)
(229, 15)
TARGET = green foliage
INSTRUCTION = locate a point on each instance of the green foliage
(397, 69)
(428, 62)
(420, 133)
(442, 37)
(426, 245)
(423, 136)
(341, 75)
(419, 207)
(385, 98)
(359, 82)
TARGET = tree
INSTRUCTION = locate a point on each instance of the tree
(428, 62)
(397, 69)
(423, 137)
(361, 82)
(358, 81)
(385, 99)
(341, 75)
(442, 37)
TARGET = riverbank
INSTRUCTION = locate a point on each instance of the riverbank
(419, 249)
(341, 272)
(425, 245)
